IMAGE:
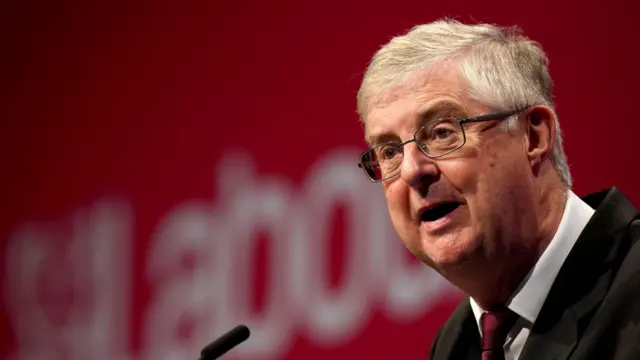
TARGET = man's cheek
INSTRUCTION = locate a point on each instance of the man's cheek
(397, 196)
(463, 175)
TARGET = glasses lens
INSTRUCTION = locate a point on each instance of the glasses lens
(441, 137)
(382, 161)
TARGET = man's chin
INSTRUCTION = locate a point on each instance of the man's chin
(449, 251)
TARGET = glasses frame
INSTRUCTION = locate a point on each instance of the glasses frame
(500, 115)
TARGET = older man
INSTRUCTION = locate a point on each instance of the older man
(466, 144)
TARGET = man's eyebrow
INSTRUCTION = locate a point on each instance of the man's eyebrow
(439, 110)
(436, 111)
(373, 140)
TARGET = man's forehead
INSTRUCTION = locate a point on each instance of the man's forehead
(409, 115)
(416, 99)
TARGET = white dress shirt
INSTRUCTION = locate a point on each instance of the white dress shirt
(528, 298)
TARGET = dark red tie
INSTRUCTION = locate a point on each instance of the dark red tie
(495, 327)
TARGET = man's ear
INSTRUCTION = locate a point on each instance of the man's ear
(541, 134)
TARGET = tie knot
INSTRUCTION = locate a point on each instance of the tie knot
(495, 326)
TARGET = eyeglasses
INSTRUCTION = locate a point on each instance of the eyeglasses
(436, 139)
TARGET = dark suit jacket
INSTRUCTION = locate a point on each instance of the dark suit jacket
(593, 308)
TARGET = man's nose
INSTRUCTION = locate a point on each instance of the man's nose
(417, 168)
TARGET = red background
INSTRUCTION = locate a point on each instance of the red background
(142, 102)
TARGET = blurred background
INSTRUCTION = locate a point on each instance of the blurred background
(172, 169)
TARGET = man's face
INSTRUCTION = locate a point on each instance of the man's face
(467, 204)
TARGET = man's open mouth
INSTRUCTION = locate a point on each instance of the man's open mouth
(438, 211)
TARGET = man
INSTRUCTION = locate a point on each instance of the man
(466, 145)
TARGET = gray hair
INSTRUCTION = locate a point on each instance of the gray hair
(502, 67)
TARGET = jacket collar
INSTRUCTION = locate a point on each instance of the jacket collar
(576, 291)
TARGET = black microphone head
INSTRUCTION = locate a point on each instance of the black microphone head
(225, 343)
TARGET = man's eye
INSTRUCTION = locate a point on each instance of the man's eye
(442, 133)
(388, 152)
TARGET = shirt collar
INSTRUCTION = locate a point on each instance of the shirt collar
(528, 298)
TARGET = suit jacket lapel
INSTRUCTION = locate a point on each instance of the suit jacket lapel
(459, 338)
(583, 280)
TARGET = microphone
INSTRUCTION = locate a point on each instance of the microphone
(225, 343)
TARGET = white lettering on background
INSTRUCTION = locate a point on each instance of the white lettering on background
(66, 286)
(200, 268)
(298, 297)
